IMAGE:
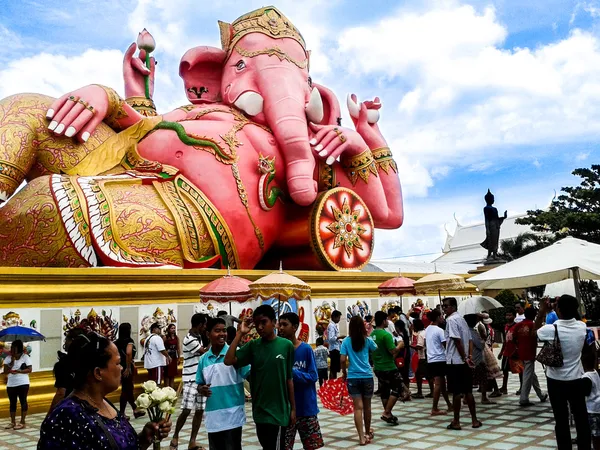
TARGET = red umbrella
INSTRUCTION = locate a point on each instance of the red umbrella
(226, 289)
(334, 396)
(397, 286)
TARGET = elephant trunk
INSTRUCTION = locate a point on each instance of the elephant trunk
(284, 109)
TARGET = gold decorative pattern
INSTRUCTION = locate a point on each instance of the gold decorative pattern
(112, 151)
(384, 160)
(32, 232)
(346, 228)
(269, 21)
(326, 176)
(360, 165)
(73, 218)
(145, 106)
(193, 235)
(244, 199)
(116, 109)
(206, 207)
(273, 51)
(106, 217)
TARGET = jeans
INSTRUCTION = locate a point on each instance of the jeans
(565, 394)
(530, 379)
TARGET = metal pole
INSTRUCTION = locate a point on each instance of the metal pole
(576, 282)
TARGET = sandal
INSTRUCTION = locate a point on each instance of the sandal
(138, 414)
(487, 402)
(10, 426)
(453, 426)
(496, 394)
(391, 420)
(477, 424)
(19, 426)
(438, 412)
(173, 446)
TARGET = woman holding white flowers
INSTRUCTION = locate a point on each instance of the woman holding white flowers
(86, 419)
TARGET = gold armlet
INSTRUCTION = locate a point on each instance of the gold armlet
(116, 110)
(383, 159)
(143, 105)
(326, 177)
(361, 166)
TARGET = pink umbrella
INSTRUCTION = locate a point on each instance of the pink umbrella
(227, 289)
(397, 286)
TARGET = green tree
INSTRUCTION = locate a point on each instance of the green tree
(575, 213)
(523, 244)
(508, 299)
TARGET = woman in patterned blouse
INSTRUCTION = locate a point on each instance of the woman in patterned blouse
(86, 419)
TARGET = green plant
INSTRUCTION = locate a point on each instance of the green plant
(508, 299)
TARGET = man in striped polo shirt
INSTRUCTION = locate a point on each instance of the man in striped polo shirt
(223, 387)
(191, 399)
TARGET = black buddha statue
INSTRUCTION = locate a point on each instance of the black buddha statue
(492, 227)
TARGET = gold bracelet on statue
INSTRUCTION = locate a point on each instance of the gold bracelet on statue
(326, 177)
(361, 166)
(145, 106)
(116, 110)
(383, 159)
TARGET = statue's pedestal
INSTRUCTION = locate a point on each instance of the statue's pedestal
(488, 264)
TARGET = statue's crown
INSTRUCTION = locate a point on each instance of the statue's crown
(268, 20)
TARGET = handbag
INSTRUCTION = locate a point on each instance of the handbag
(551, 353)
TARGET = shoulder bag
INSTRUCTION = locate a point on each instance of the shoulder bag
(551, 353)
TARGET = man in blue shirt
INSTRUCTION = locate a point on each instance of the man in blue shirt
(551, 317)
(305, 392)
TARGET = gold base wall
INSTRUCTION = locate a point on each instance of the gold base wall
(49, 287)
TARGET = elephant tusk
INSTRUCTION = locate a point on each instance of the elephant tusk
(353, 108)
(250, 102)
(314, 107)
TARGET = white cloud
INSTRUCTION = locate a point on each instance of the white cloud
(582, 156)
(467, 93)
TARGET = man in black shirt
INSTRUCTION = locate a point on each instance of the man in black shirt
(62, 371)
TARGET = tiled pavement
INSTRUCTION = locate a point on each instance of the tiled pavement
(505, 426)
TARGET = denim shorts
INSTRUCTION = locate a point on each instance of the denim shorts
(360, 387)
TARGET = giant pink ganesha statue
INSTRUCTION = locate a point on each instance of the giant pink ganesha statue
(256, 169)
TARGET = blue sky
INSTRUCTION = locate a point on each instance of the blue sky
(477, 94)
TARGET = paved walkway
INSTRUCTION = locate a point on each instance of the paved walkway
(505, 426)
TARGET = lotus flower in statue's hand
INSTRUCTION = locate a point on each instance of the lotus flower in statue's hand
(145, 41)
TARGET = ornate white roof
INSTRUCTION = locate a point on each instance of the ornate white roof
(464, 246)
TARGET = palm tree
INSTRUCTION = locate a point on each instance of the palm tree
(523, 244)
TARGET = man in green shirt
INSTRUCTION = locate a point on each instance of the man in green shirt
(271, 382)
(388, 375)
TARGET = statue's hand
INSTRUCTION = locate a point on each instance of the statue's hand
(505, 214)
(365, 116)
(135, 72)
(330, 142)
(79, 112)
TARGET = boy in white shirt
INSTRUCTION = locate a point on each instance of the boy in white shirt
(155, 356)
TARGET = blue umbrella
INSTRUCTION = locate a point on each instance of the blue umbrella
(24, 334)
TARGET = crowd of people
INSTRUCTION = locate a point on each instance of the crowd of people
(450, 353)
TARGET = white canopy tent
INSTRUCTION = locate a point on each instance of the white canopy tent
(569, 258)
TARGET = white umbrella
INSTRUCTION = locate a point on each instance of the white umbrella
(475, 305)
(567, 258)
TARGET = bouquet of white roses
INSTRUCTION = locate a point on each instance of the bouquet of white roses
(157, 401)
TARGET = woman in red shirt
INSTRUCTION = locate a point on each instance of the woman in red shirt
(173, 347)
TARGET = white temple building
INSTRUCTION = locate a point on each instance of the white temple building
(463, 247)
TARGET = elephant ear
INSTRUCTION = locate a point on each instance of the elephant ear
(332, 114)
(201, 69)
